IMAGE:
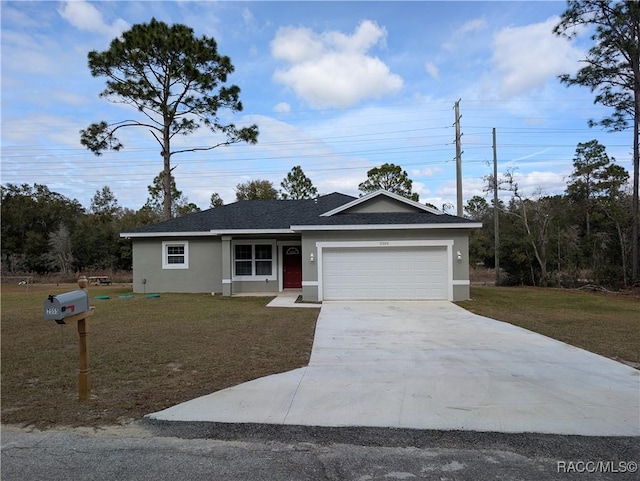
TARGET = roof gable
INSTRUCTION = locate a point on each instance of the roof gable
(381, 201)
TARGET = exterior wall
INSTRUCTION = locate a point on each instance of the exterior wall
(210, 266)
(203, 275)
(210, 261)
(461, 267)
(381, 204)
(236, 286)
(460, 239)
(243, 287)
(226, 265)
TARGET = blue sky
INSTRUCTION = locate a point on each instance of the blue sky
(336, 87)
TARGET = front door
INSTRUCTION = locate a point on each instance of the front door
(292, 267)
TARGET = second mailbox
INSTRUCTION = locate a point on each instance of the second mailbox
(61, 306)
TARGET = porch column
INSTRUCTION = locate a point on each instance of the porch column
(226, 266)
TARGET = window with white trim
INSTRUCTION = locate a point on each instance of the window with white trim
(254, 260)
(175, 255)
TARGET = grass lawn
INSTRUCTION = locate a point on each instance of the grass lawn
(607, 324)
(144, 354)
(149, 354)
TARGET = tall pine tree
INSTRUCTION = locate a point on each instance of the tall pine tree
(612, 71)
(175, 82)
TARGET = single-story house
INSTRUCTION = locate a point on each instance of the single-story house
(379, 246)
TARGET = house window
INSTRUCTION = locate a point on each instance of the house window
(254, 260)
(175, 255)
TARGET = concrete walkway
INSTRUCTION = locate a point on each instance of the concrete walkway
(289, 297)
(433, 365)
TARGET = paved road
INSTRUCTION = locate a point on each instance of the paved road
(208, 451)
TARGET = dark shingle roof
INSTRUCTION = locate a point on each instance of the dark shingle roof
(250, 214)
(390, 218)
(282, 214)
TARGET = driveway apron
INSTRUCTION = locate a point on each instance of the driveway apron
(433, 365)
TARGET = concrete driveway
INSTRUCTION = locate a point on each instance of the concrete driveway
(433, 365)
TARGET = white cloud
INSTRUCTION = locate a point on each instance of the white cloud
(346, 183)
(296, 45)
(282, 108)
(530, 185)
(526, 57)
(472, 26)
(426, 172)
(16, 47)
(21, 131)
(333, 69)
(473, 186)
(85, 16)
(70, 98)
(366, 36)
(432, 70)
(535, 183)
(247, 16)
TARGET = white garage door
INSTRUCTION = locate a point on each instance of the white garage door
(387, 273)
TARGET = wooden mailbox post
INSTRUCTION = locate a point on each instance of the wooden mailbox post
(63, 309)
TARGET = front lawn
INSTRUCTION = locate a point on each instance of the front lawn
(144, 354)
(607, 324)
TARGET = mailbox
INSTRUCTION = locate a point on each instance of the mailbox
(61, 306)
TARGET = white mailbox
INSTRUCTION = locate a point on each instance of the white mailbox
(61, 306)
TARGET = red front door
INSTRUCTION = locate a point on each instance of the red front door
(292, 266)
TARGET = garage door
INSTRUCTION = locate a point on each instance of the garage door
(389, 273)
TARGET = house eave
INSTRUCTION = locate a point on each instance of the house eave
(210, 233)
(128, 235)
(251, 231)
(298, 228)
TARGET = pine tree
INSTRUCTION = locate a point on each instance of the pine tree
(175, 81)
(296, 185)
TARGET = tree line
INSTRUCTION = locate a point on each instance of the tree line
(45, 232)
(583, 235)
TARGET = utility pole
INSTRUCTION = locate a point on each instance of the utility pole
(496, 236)
(458, 158)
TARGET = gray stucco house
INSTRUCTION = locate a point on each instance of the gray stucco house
(379, 246)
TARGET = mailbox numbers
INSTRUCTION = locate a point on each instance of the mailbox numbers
(52, 310)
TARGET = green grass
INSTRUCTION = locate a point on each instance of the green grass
(144, 354)
(607, 324)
